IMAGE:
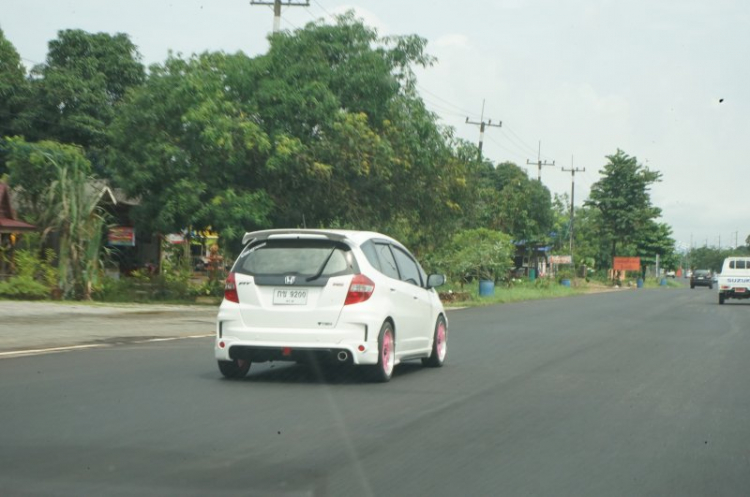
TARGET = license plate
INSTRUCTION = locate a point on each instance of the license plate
(287, 296)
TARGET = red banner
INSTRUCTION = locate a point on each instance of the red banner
(626, 264)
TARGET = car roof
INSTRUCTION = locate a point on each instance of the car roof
(352, 236)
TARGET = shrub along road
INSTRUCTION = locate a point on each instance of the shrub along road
(624, 393)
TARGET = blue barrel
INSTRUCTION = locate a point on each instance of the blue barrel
(486, 288)
(663, 282)
(565, 282)
(532, 274)
(639, 283)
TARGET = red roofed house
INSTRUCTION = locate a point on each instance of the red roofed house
(9, 228)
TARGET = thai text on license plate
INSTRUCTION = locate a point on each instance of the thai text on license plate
(287, 296)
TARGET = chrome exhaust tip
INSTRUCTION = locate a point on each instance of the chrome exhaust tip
(342, 356)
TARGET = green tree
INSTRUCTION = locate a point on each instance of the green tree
(191, 149)
(656, 239)
(74, 93)
(14, 94)
(591, 243)
(325, 129)
(478, 253)
(57, 185)
(516, 204)
(31, 167)
(14, 87)
(623, 200)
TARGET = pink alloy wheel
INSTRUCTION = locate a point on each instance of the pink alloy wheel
(388, 356)
(441, 342)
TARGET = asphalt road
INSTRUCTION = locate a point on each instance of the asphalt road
(640, 392)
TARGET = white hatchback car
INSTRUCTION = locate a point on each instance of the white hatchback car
(349, 297)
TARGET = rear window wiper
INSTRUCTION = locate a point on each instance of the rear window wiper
(322, 266)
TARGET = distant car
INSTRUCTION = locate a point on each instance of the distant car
(671, 274)
(688, 274)
(346, 297)
(702, 277)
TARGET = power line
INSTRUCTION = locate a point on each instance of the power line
(310, 12)
(482, 125)
(539, 163)
(29, 60)
(442, 108)
(460, 109)
(277, 10)
(572, 171)
(507, 150)
(324, 9)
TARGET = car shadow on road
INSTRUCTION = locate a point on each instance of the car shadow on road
(324, 374)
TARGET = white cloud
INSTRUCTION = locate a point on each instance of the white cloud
(453, 40)
(368, 18)
(609, 105)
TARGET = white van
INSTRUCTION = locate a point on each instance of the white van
(734, 280)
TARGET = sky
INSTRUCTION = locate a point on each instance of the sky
(667, 81)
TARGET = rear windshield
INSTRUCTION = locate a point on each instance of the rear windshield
(738, 264)
(701, 272)
(299, 257)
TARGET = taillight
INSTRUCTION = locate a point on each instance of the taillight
(230, 289)
(360, 289)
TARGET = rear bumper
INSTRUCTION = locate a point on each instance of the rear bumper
(348, 352)
(353, 331)
(731, 294)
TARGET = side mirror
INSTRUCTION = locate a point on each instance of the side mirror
(435, 280)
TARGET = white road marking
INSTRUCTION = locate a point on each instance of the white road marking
(52, 350)
(13, 353)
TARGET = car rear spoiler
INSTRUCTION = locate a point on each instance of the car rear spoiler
(292, 234)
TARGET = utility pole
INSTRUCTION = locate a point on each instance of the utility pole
(572, 171)
(482, 125)
(277, 9)
(539, 162)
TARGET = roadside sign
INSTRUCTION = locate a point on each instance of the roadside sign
(561, 259)
(121, 236)
(626, 264)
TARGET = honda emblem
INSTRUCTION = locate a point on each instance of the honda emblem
(289, 280)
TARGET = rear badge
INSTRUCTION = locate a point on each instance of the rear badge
(321, 323)
(289, 280)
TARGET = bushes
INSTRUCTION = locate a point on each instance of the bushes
(143, 288)
(24, 288)
(35, 277)
(477, 254)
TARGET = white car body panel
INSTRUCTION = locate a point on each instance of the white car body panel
(324, 323)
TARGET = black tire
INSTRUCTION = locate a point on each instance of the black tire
(439, 345)
(383, 371)
(235, 369)
(721, 299)
(692, 287)
(710, 287)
